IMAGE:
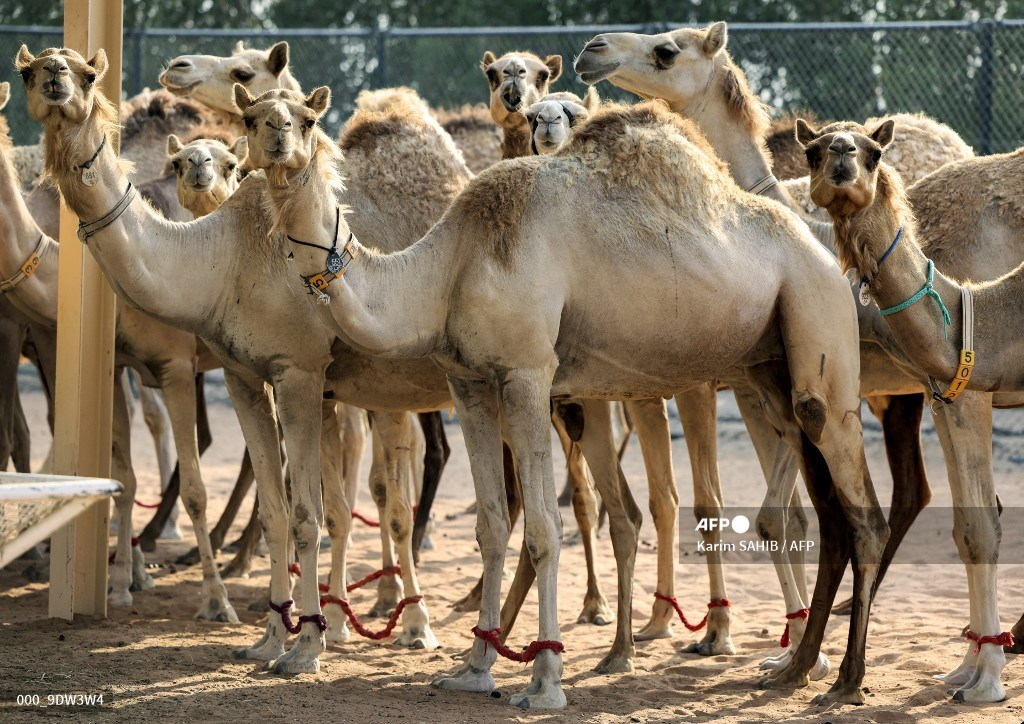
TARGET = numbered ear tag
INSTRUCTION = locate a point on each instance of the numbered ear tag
(90, 176)
(334, 262)
(862, 294)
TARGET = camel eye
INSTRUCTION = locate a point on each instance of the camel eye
(242, 75)
(492, 77)
(310, 123)
(90, 78)
(250, 123)
(665, 55)
(873, 158)
(26, 74)
(176, 165)
(813, 154)
(232, 166)
(542, 77)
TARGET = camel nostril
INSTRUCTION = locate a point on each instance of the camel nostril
(179, 65)
(595, 45)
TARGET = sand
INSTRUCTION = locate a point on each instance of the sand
(154, 661)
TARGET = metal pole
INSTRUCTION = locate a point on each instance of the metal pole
(380, 75)
(986, 29)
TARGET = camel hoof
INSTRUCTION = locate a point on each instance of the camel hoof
(540, 695)
(654, 630)
(147, 544)
(217, 611)
(596, 611)
(119, 598)
(714, 647)
(615, 664)
(418, 638)
(982, 692)
(469, 604)
(171, 532)
(237, 569)
(188, 559)
(260, 605)
(843, 609)
(466, 679)
(383, 608)
(821, 668)
(958, 676)
(295, 666)
(788, 678)
(266, 652)
(840, 694)
(427, 544)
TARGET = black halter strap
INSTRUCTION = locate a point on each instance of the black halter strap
(333, 248)
(337, 264)
(92, 160)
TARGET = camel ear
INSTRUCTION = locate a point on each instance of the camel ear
(240, 148)
(319, 100)
(883, 135)
(99, 63)
(278, 60)
(805, 135)
(24, 58)
(5, 94)
(554, 64)
(715, 38)
(242, 97)
(239, 47)
(591, 100)
(173, 145)
(484, 62)
(531, 113)
(575, 113)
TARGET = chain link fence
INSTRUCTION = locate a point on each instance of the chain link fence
(966, 74)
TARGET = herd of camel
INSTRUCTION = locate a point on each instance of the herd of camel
(529, 269)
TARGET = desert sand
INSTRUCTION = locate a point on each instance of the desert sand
(154, 662)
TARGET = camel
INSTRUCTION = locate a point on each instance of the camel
(476, 285)
(474, 133)
(163, 356)
(206, 170)
(517, 80)
(979, 349)
(691, 69)
(553, 117)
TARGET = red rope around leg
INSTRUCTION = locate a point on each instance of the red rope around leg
(1003, 639)
(721, 602)
(113, 556)
(492, 638)
(803, 613)
(357, 624)
(286, 618)
(324, 588)
(367, 521)
(151, 506)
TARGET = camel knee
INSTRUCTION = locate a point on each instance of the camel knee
(770, 524)
(977, 535)
(796, 523)
(543, 544)
(304, 526)
(812, 412)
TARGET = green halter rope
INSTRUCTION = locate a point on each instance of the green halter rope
(926, 291)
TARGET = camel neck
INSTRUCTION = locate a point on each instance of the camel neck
(383, 304)
(148, 260)
(515, 141)
(732, 140)
(21, 238)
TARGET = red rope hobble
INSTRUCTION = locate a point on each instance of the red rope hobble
(492, 638)
(803, 613)
(1003, 639)
(148, 505)
(359, 627)
(324, 588)
(360, 517)
(721, 602)
(113, 556)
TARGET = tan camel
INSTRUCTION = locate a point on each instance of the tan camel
(877, 237)
(164, 357)
(692, 70)
(517, 80)
(206, 170)
(474, 133)
(476, 284)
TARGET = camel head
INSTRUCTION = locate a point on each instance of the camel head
(844, 160)
(211, 79)
(517, 81)
(60, 84)
(281, 126)
(206, 170)
(677, 66)
(553, 118)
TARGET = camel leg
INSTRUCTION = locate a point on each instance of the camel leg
(154, 414)
(388, 587)
(477, 404)
(900, 416)
(965, 430)
(178, 385)
(514, 504)
(248, 543)
(1018, 638)
(243, 483)
(435, 458)
(650, 419)
(337, 516)
(595, 606)
(129, 569)
(15, 445)
(355, 434)
(256, 417)
(298, 393)
(824, 398)
(598, 444)
(395, 431)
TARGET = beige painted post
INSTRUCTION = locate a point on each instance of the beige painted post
(85, 358)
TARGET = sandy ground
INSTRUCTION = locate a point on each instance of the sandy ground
(155, 661)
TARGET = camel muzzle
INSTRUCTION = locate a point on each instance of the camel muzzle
(512, 95)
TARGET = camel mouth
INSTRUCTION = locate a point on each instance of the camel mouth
(178, 89)
(56, 97)
(591, 75)
(278, 155)
(201, 188)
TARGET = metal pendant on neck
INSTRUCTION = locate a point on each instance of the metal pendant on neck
(90, 176)
(863, 289)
